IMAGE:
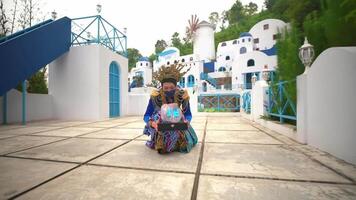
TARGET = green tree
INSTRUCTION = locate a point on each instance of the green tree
(138, 80)
(184, 48)
(30, 13)
(289, 64)
(176, 42)
(339, 19)
(37, 83)
(214, 18)
(333, 26)
(251, 8)
(4, 29)
(223, 19)
(236, 13)
(269, 4)
(133, 56)
(14, 10)
(160, 46)
(152, 58)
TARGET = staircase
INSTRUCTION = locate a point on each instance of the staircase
(207, 78)
(25, 52)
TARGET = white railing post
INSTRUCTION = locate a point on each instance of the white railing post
(302, 120)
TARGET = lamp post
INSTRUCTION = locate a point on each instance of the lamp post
(306, 54)
(265, 75)
(98, 8)
(54, 15)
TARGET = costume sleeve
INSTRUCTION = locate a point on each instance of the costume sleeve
(187, 113)
(149, 111)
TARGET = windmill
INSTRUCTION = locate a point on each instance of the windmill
(192, 27)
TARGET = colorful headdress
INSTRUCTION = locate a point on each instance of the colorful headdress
(170, 73)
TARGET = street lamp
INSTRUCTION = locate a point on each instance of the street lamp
(306, 54)
(98, 8)
(125, 30)
(54, 15)
(265, 75)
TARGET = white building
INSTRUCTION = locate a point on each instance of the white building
(89, 89)
(142, 69)
(235, 62)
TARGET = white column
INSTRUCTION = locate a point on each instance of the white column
(302, 120)
(257, 99)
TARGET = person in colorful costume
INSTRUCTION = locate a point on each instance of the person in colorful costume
(168, 96)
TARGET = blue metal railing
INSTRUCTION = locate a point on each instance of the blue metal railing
(219, 102)
(99, 31)
(246, 101)
(205, 76)
(280, 101)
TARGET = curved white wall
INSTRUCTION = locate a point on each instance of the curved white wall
(265, 37)
(330, 103)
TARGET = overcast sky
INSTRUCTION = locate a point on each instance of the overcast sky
(146, 20)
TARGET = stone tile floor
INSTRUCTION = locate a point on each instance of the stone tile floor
(234, 159)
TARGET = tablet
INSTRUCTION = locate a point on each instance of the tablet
(180, 126)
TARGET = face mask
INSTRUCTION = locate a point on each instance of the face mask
(170, 93)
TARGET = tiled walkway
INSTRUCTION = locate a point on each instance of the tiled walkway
(234, 159)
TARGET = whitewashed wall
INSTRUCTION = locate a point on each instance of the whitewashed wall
(232, 50)
(266, 36)
(330, 103)
(261, 60)
(138, 100)
(204, 42)
(79, 83)
(38, 107)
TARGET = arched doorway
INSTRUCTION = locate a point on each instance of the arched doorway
(191, 81)
(114, 90)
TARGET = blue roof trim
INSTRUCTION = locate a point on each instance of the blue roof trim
(245, 34)
(164, 53)
(270, 52)
(144, 59)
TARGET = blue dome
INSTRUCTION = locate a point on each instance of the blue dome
(245, 34)
(144, 59)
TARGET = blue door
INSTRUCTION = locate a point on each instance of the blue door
(114, 88)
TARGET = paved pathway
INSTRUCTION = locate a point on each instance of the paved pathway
(234, 159)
